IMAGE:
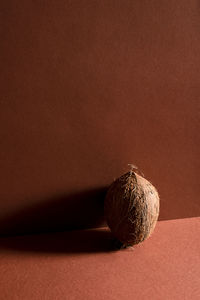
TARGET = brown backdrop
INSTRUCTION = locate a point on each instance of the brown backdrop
(86, 88)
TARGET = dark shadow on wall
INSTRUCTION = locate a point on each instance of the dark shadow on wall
(76, 242)
(65, 212)
(78, 210)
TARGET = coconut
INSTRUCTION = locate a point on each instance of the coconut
(131, 208)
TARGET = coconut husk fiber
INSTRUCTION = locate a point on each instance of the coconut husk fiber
(131, 208)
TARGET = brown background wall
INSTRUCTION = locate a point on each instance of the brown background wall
(86, 88)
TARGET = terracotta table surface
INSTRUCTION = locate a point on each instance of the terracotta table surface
(83, 265)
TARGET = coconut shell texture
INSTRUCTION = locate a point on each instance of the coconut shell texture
(131, 208)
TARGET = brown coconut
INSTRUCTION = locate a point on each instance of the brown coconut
(131, 208)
